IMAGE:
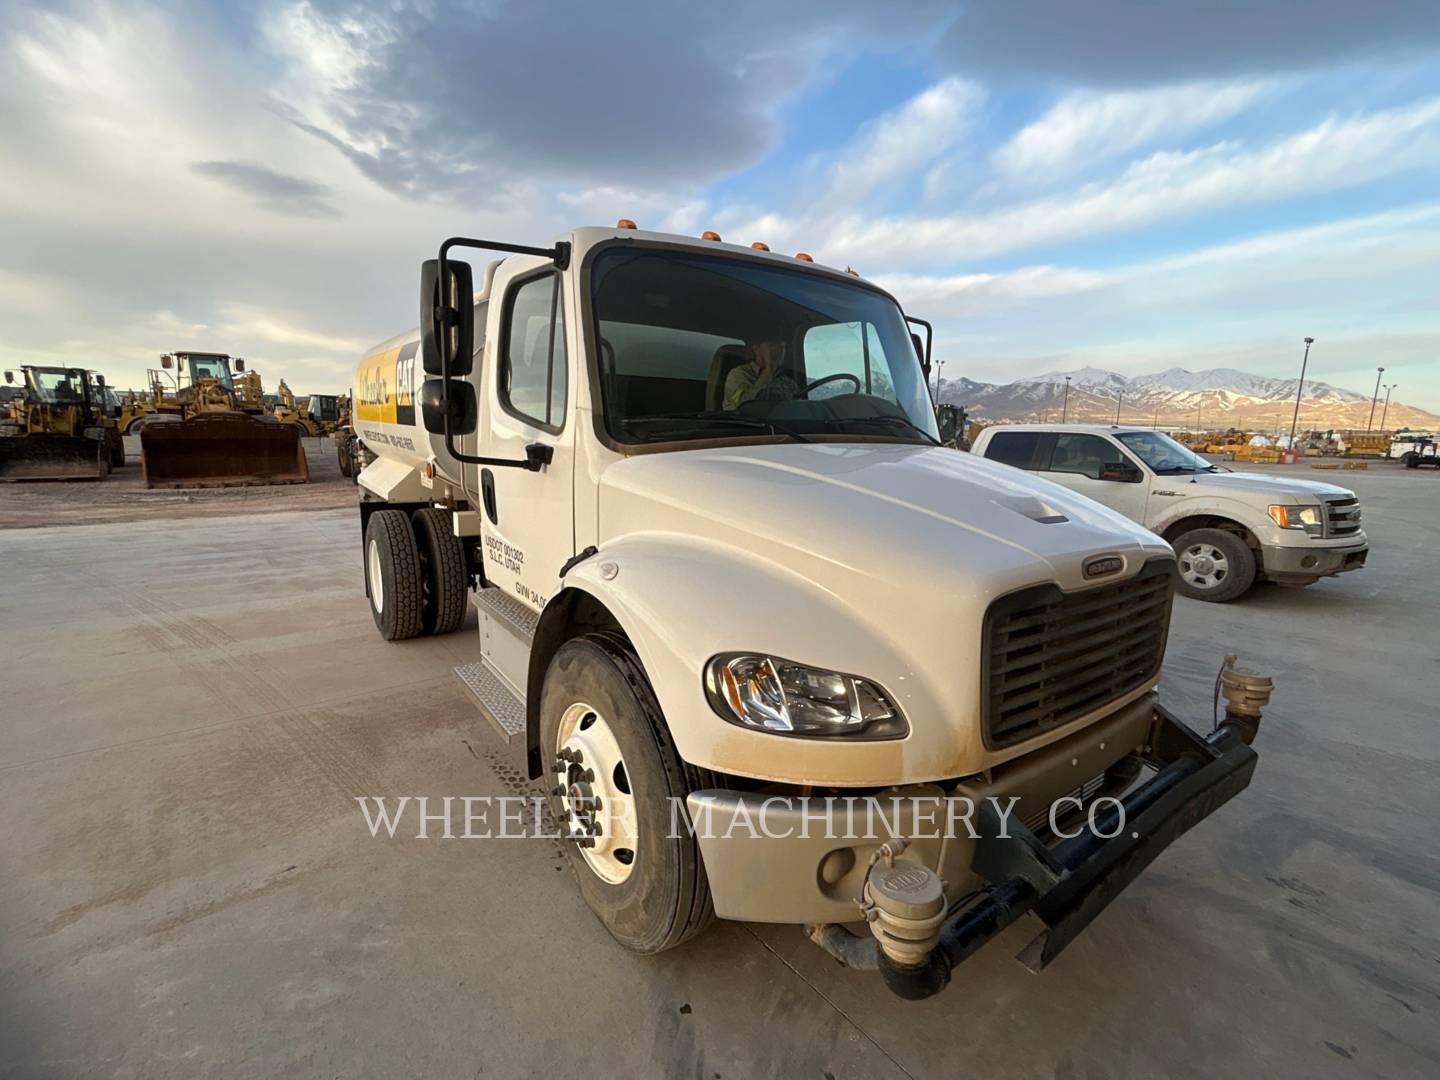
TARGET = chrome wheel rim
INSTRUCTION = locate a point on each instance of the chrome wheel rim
(377, 585)
(597, 805)
(1204, 566)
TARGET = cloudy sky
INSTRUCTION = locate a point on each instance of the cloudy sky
(1119, 183)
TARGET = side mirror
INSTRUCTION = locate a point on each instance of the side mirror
(1121, 471)
(10, 376)
(167, 362)
(100, 380)
(462, 413)
(920, 354)
(448, 308)
(239, 364)
(947, 418)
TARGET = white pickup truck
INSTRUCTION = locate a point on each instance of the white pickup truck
(733, 597)
(1228, 528)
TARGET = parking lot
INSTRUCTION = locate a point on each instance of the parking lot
(191, 707)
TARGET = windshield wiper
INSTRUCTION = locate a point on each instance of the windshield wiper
(1175, 470)
(755, 422)
(887, 419)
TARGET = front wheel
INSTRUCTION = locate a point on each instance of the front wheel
(1213, 565)
(617, 790)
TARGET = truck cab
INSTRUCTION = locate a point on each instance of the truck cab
(1229, 529)
(724, 572)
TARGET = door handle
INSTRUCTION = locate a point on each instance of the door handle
(487, 495)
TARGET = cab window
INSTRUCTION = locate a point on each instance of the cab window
(1084, 455)
(1015, 448)
(532, 376)
(851, 354)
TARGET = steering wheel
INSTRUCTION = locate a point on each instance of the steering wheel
(831, 378)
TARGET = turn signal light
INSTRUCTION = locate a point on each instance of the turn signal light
(803, 257)
(760, 245)
(710, 234)
(626, 223)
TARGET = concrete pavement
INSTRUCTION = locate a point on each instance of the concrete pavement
(190, 707)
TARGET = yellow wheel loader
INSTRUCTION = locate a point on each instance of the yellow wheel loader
(316, 415)
(57, 428)
(211, 429)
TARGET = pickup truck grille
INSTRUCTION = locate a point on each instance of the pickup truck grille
(1050, 657)
(1342, 516)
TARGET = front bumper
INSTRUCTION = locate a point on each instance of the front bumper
(1065, 883)
(1302, 564)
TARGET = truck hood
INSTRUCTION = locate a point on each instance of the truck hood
(896, 512)
(1261, 484)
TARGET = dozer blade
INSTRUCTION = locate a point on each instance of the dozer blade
(53, 457)
(221, 450)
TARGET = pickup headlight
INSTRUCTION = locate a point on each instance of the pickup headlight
(770, 694)
(1298, 517)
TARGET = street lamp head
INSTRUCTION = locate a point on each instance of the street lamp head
(1309, 341)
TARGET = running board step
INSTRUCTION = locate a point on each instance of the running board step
(508, 610)
(496, 701)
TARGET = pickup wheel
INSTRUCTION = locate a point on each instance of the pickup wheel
(392, 575)
(1213, 565)
(442, 572)
(614, 777)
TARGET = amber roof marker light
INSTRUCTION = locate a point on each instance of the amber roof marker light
(803, 256)
(626, 223)
(710, 234)
(760, 245)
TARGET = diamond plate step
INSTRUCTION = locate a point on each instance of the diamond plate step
(503, 709)
(508, 610)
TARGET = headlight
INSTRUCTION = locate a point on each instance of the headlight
(1298, 517)
(770, 694)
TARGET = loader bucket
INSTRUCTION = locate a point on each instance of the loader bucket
(53, 457)
(221, 450)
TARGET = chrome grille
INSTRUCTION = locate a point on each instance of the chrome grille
(1342, 516)
(1050, 657)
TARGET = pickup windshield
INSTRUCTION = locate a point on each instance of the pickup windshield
(1163, 454)
(706, 347)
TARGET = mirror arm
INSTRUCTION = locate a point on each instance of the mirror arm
(537, 455)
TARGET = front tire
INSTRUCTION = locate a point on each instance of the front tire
(392, 575)
(1410, 459)
(1213, 565)
(651, 894)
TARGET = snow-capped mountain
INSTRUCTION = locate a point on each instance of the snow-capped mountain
(1217, 398)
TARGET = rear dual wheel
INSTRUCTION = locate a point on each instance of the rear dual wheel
(414, 573)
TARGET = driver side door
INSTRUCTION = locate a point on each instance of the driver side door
(1090, 464)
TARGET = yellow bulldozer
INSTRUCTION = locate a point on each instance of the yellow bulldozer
(210, 428)
(316, 415)
(58, 427)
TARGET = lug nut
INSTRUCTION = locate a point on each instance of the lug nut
(588, 776)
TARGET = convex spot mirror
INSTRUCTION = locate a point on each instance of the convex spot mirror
(447, 308)
(461, 409)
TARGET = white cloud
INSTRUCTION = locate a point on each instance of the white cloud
(1086, 126)
(1336, 153)
(900, 142)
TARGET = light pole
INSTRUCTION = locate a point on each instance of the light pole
(1296, 418)
(1065, 404)
(1386, 411)
(1118, 401)
(939, 368)
(1378, 372)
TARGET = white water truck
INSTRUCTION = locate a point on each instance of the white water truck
(723, 562)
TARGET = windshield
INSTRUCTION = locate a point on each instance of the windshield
(203, 366)
(57, 386)
(1163, 454)
(704, 347)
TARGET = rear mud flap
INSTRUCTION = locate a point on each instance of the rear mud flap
(222, 450)
(53, 457)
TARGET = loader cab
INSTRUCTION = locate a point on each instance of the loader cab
(57, 387)
(190, 367)
(324, 407)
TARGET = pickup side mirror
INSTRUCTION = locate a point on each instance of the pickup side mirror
(448, 308)
(947, 418)
(1122, 471)
(462, 411)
